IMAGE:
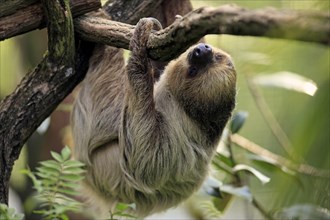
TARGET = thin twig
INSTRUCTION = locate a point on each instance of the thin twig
(240, 182)
(270, 119)
(261, 209)
(277, 159)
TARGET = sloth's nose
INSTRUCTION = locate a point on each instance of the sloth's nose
(202, 50)
(202, 54)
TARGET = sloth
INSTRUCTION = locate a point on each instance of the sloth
(145, 142)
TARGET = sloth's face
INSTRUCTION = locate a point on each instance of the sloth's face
(202, 57)
(202, 74)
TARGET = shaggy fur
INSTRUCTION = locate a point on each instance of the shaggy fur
(150, 144)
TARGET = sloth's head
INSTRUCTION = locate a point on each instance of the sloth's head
(203, 77)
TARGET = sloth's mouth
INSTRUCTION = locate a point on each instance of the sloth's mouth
(201, 55)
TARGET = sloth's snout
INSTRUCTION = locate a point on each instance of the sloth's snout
(202, 50)
(201, 54)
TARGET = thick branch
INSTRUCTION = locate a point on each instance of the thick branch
(16, 19)
(173, 40)
(34, 97)
(114, 8)
(8, 7)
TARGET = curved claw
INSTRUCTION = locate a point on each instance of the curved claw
(157, 25)
(142, 31)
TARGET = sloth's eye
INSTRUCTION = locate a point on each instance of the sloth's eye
(219, 57)
(192, 71)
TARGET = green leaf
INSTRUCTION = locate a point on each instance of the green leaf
(7, 213)
(51, 164)
(304, 211)
(35, 181)
(69, 185)
(223, 162)
(63, 217)
(237, 121)
(48, 170)
(47, 176)
(66, 153)
(40, 211)
(73, 170)
(222, 203)
(243, 192)
(73, 163)
(69, 192)
(272, 166)
(120, 210)
(242, 167)
(55, 180)
(222, 166)
(224, 158)
(71, 177)
(62, 198)
(48, 182)
(209, 211)
(57, 156)
(60, 209)
(121, 207)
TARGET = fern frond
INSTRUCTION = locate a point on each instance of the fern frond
(209, 210)
(56, 182)
(7, 213)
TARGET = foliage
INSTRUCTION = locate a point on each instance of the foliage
(7, 213)
(209, 211)
(235, 184)
(56, 183)
(121, 210)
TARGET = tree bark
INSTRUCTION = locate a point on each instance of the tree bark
(8, 7)
(114, 8)
(173, 40)
(18, 17)
(33, 100)
(228, 19)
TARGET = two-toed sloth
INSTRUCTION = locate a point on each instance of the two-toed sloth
(151, 143)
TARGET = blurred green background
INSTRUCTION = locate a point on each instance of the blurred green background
(304, 118)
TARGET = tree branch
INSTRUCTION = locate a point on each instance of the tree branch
(228, 19)
(19, 17)
(8, 7)
(34, 97)
(279, 160)
(176, 38)
(114, 8)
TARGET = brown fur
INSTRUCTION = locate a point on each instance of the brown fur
(150, 144)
